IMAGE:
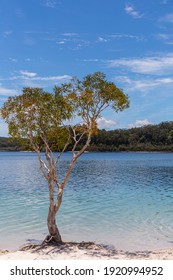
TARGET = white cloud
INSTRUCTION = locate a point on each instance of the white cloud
(70, 34)
(7, 91)
(147, 65)
(30, 79)
(126, 36)
(52, 78)
(13, 59)
(70, 41)
(139, 123)
(144, 84)
(132, 12)
(165, 36)
(101, 40)
(32, 76)
(74, 41)
(106, 124)
(28, 74)
(91, 60)
(49, 3)
(62, 42)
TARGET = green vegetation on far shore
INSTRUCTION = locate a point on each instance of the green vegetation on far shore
(147, 138)
(7, 144)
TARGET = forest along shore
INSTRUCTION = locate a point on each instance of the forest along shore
(147, 138)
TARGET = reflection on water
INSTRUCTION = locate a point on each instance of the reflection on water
(124, 199)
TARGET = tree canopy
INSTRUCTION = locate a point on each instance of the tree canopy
(46, 118)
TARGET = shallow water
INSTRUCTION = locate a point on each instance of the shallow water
(123, 199)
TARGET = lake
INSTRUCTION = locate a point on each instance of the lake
(121, 199)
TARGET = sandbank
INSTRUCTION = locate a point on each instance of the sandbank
(82, 251)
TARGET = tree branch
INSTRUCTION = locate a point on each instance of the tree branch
(64, 148)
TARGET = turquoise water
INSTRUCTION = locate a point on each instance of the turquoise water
(123, 199)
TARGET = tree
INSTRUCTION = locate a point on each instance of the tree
(46, 119)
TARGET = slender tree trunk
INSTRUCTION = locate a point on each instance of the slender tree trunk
(54, 235)
(52, 227)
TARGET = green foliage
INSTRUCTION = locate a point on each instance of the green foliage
(36, 115)
(147, 138)
(91, 96)
(7, 145)
(43, 117)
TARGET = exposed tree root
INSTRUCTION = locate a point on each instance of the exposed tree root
(50, 246)
(51, 240)
(88, 248)
(2, 252)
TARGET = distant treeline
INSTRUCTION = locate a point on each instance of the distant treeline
(147, 138)
(7, 144)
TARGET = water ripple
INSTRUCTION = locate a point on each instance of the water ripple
(121, 198)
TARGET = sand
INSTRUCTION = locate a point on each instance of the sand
(82, 251)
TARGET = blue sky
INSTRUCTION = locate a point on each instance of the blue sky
(45, 42)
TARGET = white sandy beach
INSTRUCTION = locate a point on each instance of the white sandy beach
(86, 252)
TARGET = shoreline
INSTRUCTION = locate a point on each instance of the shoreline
(121, 151)
(82, 250)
